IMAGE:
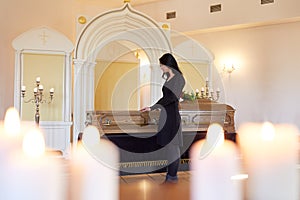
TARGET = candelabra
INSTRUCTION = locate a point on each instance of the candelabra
(208, 93)
(38, 98)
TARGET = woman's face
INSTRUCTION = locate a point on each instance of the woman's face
(164, 68)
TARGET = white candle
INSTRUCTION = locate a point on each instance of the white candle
(38, 79)
(95, 171)
(214, 163)
(23, 88)
(202, 89)
(41, 87)
(29, 174)
(35, 90)
(12, 122)
(51, 90)
(24, 177)
(197, 91)
(10, 133)
(270, 154)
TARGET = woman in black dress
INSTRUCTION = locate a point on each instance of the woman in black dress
(169, 133)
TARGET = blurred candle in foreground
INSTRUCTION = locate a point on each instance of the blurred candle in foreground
(12, 122)
(29, 174)
(95, 171)
(34, 144)
(214, 164)
(270, 154)
(10, 133)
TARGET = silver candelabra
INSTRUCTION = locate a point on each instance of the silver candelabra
(208, 93)
(38, 98)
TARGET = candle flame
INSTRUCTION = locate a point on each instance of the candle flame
(267, 131)
(34, 143)
(239, 177)
(12, 122)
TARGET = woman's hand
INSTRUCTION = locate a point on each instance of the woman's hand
(145, 109)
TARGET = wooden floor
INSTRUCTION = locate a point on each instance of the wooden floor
(149, 186)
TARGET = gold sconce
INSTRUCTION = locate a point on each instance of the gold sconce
(137, 54)
(228, 69)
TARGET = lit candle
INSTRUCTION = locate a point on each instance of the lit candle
(38, 79)
(197, 91)
(29, 174)
(35, 90)
(202, 89)
(51, 90)
(12, 122)
(95, 171)
(270, 154)
(10, 133)
(214, 164)
(23, 88)
(24, 176)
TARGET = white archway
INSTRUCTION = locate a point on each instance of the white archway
(119, 24)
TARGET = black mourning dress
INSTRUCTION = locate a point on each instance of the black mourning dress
(169, 126)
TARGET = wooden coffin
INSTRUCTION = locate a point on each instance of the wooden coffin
(134, 133)
(196, 116)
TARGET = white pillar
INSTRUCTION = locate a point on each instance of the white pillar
(83, 94)
(17, 86)
(78, 112)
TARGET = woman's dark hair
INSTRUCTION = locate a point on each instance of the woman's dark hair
(169, 60)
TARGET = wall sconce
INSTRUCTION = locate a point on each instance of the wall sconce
(137, 54)
(228, 69)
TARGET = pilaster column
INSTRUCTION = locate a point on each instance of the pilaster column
(67, 88)
(83, 94)
(79, 99)
(90, 85)
(17, 86)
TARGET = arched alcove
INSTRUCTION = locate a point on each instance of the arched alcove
(45, 53)
(124, 24)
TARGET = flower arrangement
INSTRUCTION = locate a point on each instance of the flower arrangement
(190, 96)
